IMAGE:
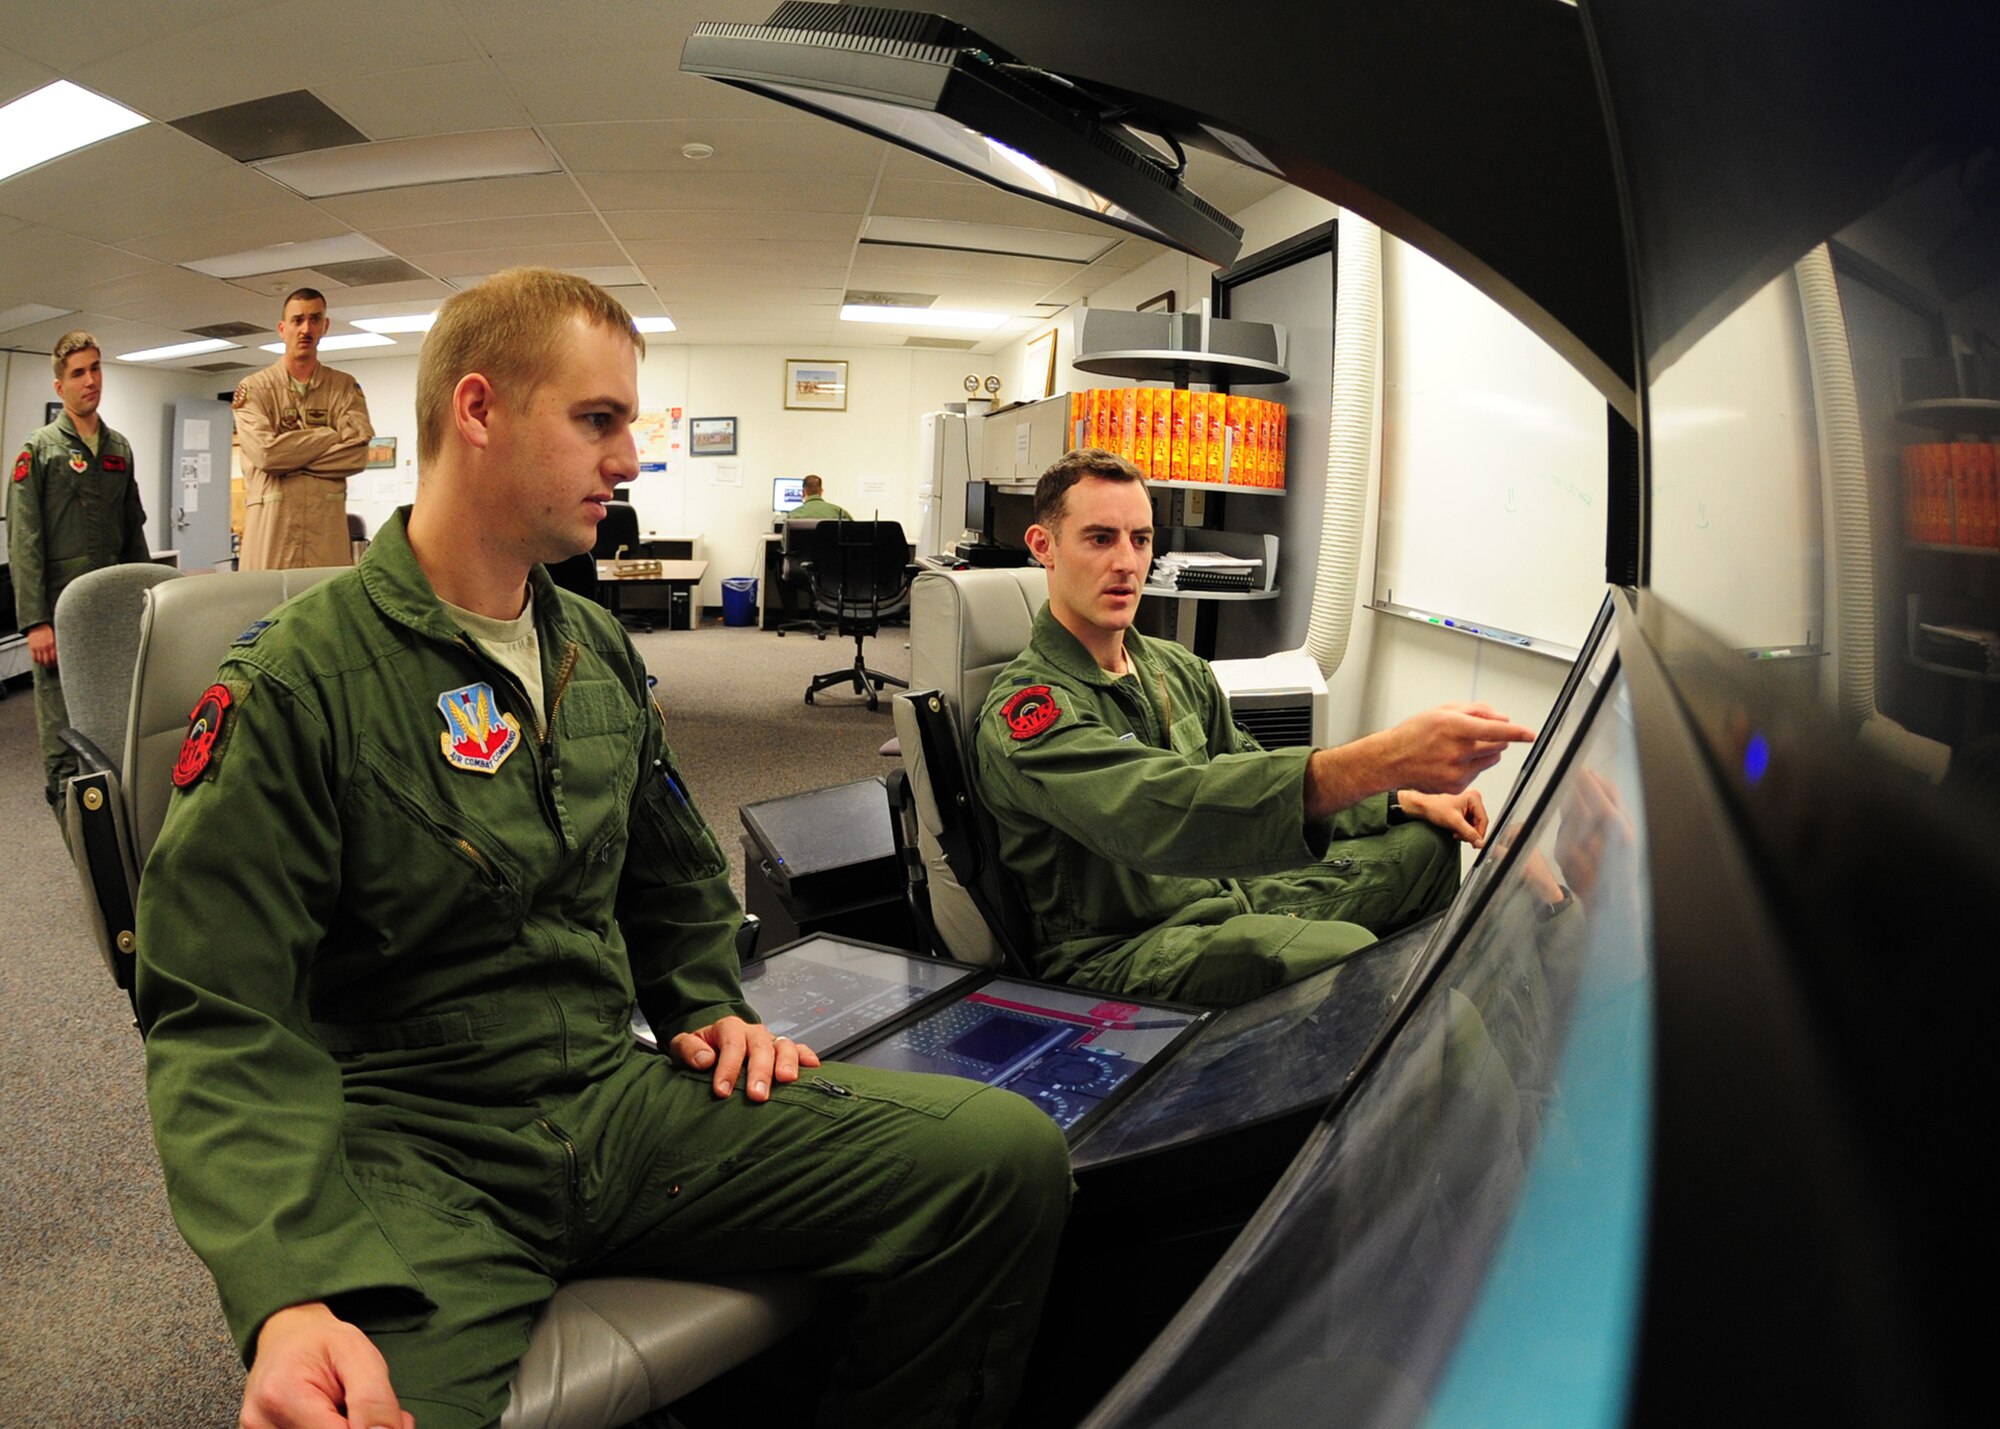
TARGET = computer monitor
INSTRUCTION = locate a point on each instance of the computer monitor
(978, 510)
(787, 492)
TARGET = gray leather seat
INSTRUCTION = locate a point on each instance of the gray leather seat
(603, 1351)
(965, 626)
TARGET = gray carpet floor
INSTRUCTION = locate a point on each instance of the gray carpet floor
(109, 1319)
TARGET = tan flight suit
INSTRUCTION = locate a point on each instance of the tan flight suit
(297, 455)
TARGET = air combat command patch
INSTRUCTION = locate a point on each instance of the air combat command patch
(1030, 711)
(204, 728)
(477, 736)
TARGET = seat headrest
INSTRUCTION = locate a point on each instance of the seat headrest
(965, 626)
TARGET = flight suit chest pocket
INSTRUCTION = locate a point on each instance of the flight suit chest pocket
(428, 876)
(1190, 738)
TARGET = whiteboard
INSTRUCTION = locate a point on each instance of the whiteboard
(1493, 497)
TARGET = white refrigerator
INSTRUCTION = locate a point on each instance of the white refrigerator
(947, 455)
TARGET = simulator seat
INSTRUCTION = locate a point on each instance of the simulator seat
(860, 576)
(965, 626)
(603, 1351)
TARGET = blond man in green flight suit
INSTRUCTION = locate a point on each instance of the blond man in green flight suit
(73, 506)
(428, 845)
(1158, 849)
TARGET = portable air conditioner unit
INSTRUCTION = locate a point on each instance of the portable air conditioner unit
(1281, 699)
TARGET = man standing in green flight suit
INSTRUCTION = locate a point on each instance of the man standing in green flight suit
(427, 847)
(73, 506)
(1158, 849)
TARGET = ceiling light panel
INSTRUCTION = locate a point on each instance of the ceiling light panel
(403, 163)
(348, 248)
(57, 119)
(411, 322)
(182, 349)
(922, 317)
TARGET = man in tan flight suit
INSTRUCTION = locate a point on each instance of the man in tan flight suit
(303, 429)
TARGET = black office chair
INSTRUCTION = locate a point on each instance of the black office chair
(795, 574)
(578, 574)
(617, 539)
(860, 576)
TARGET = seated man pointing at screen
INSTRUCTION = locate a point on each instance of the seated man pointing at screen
(1160, 851)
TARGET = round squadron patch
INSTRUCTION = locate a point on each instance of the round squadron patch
(204, 728)
(477, 736)
(1029, 711)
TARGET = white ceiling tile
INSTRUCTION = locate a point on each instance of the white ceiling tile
(977, 203)
(829, 193)
(613, 82)
(51, 33)
(669, 280)
(21, 75)
(663, 225)
(775, 144)
(553, 255)
(423, 241)
(878, 263)
(434, 99)
(469, 199)
(289, 221)
(774, 253)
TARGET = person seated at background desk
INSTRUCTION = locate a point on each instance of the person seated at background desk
(816, 507)
(1159, 849)
(389, 1058)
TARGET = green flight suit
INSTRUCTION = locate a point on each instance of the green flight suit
(68, 512)
(386, 962)
(818, 508)
(1161, 851)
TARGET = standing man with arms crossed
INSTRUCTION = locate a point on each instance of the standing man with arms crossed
(1159, 850)
(73, 506)
(390, 1066)
(303, 430)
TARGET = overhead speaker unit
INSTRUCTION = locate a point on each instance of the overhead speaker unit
(929, 84)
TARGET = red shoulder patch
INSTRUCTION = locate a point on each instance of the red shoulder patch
(240, 398)
(23, 464)
(1030, 710)
(204, 728)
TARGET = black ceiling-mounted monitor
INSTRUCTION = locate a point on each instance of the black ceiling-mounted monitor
(929, 84)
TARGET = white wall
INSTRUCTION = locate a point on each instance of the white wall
(867, 454)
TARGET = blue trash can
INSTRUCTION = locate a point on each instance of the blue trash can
(739, 600)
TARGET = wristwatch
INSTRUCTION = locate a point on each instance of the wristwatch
(1397, 813)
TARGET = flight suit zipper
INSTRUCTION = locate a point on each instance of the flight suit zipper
(572, 1163)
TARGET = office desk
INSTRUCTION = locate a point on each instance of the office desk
(667, 546)
(679, 577)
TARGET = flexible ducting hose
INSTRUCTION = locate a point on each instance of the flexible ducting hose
(1845, 457)
(1357, 342)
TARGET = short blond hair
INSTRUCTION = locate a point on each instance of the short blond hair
(507, 329)
(70, 344)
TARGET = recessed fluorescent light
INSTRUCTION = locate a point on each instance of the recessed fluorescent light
(653, 324)
(921, 317)
(340, 343)
(415, 322)
(179, 349)
(283, 257)
(404, 163)
(57, 119)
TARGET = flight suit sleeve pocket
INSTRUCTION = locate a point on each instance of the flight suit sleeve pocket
(670, 833)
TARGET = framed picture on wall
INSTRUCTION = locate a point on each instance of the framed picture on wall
(712, 436)
(1038, 368)
(815, 385)
(382, 454)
